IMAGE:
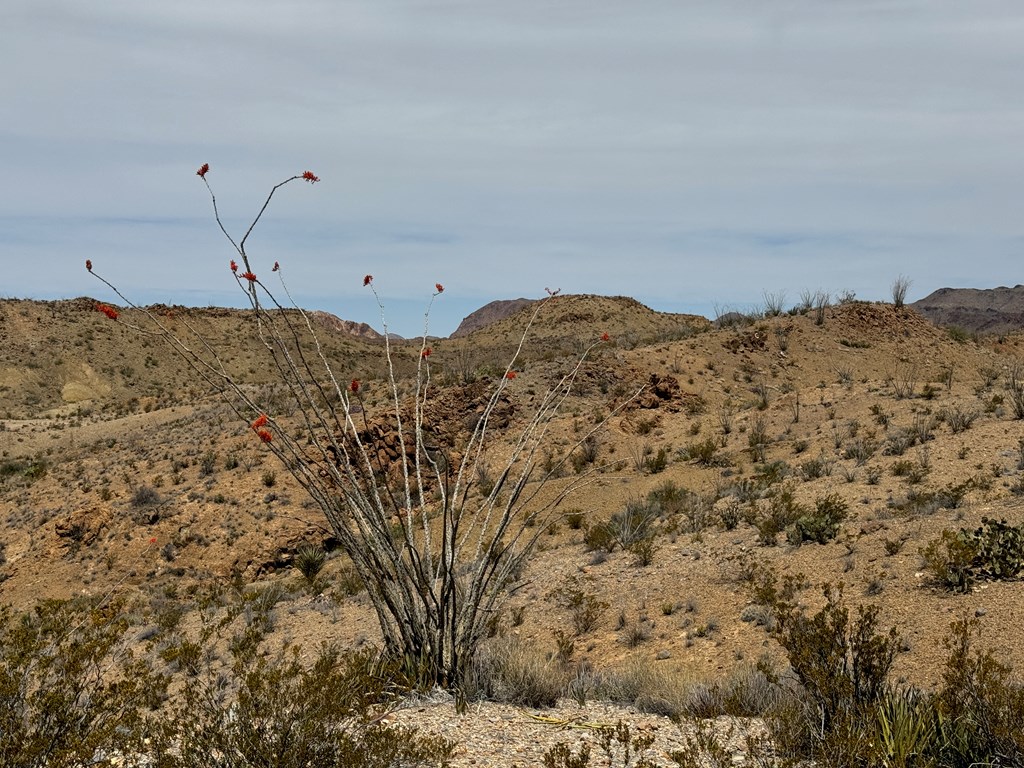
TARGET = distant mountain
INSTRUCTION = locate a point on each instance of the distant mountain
(488, 314)
(335, 323)
(989, 310)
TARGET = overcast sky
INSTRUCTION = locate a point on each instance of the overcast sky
(690, 154)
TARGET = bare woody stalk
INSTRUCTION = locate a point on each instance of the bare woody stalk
(436, 559)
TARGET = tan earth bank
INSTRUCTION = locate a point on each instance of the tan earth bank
(92, 411)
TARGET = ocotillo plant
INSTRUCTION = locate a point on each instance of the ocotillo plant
(435, 554)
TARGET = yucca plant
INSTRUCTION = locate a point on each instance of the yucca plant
(310, 560)
(909, 727)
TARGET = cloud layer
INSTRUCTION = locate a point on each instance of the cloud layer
(688, 154)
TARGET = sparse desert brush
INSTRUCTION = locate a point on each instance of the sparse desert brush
(393, 483)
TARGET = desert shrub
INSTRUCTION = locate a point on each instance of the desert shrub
(585, 454)
(959, 419)
(766, 589)
(290, 715)
(731, 514)
(600, 537)
(897, 444)
(643, 552)
(782, 511)
(757, 439)
(981, 707)
(771, 474)
(860, 450)
(1015, 390)
(774, 303)
(703, 452)
(634, 522)
(911, 471)
(748, 691)
(952, 495)
(670, 498)
(433, 587)
(812, 469)
(208, 463)
(992, 552)
(842, 666)
(657, 462)
(948, 559)
(574, 518)
(640, 682)
(348, 581)
(71, 686)
(922, 430)
(617, 743)
(144, 496)
(822, 524)
(899, 290)
(584, 608)
(28, 470)
(698, 513)
(507, 670)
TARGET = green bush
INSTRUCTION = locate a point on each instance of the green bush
(822, 524)
(979, 706)
(992, 552)
(658, 462)
(71, 687)
(703, 452)
(288, 715)
(842, 666)
(783, 511)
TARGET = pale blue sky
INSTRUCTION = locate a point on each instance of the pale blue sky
(689, 154)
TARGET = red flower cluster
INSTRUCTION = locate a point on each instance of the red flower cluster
(310, 177)
(249, 276)
(354, 386)
(234, 266)
(510, 375)
(605, 336)
(264, 435)
(367, 280)
(203, 170)
(261, 421)
(276, 267)
(107, 310)
(426, 353)
(88, 264)
(438, 287)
